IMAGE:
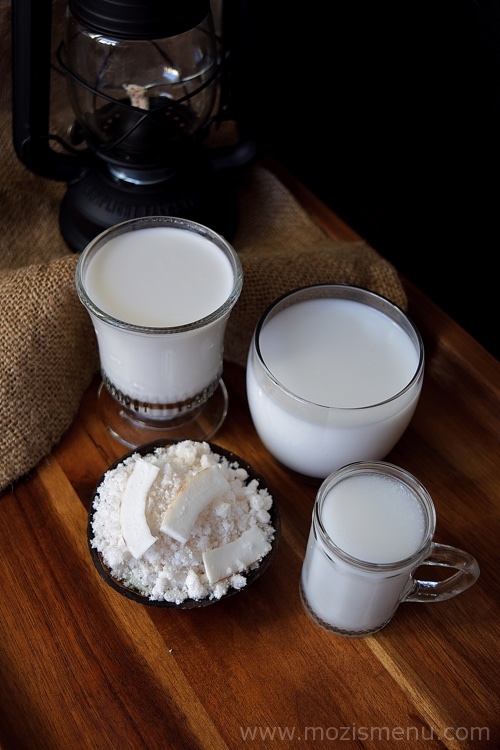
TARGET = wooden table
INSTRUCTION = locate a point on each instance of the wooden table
(83, 667)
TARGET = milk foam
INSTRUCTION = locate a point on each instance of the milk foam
(338, 352)
(374, 518)
(159, 276)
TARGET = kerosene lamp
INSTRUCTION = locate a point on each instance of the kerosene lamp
(160, 120)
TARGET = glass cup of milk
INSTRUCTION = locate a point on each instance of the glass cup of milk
(334, 375)
(159, 291)
(372, 527)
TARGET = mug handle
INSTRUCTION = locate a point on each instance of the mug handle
(467, 573)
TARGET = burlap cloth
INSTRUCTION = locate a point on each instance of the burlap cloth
(49, 352)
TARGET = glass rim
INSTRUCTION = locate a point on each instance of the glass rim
(144, 222)
(387, 469)
(359, 292)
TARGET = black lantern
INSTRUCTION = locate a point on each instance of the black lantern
(161, 120)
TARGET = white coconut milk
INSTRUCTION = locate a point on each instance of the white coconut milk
(378, 520)
(157, 278)
(346, 362)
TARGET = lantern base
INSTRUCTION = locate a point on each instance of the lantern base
(98, 201)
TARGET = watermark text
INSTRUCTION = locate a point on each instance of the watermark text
(354, 732)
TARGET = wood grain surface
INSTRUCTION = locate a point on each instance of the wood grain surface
(83, 667)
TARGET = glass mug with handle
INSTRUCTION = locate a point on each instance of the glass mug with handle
(373, 525)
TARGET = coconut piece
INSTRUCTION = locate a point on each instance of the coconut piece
(235, 556)
(133, 522)
(192, 498)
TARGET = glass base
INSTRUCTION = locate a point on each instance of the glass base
(330, 628)
(132, 430)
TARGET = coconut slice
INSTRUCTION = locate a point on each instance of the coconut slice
(192, 498)
(234, 557)
(133, 522)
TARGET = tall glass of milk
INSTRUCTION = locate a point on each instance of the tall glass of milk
(334, 375)
(372, 527)
(159, 291)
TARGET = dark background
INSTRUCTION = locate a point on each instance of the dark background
(390, 113)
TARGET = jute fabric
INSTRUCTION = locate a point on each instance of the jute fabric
(47, 342)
